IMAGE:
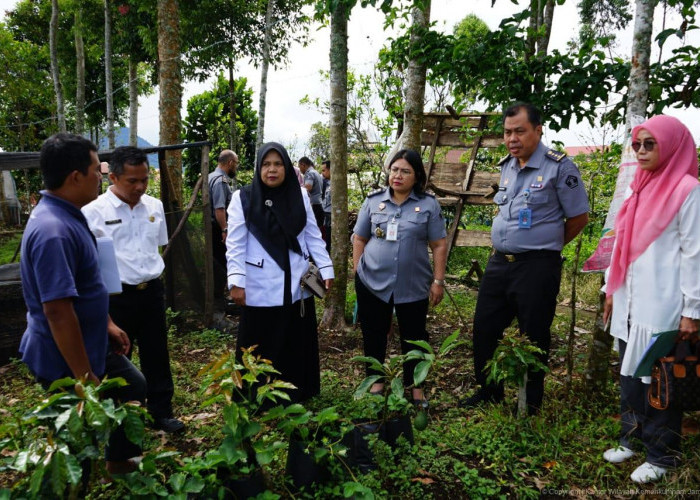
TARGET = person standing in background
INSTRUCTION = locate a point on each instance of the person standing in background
(326, 202)
(313, 182)
(222, 185)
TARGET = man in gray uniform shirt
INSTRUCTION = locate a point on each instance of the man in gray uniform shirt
(542, 206)
(326, 173)
(221, 188)
(313, 182)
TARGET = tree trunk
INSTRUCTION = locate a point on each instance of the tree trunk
(638, 94)
(522, 398)
(79, 71)
(415, 87)
(53, 34)
(233, 133)
(133, 102)
(543, 41)
(170, 89)
(260, 133)
(334, 313)
(531, 39)
(109, 97)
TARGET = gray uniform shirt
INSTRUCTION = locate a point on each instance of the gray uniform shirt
(313, 178)
(326, 204)
(400, 268)
(550, 186)
(220, 191)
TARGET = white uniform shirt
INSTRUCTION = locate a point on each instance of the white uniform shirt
(661, 285)
(137, 233)
(252, 268)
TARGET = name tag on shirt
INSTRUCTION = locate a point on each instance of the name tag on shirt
(115, 221)
(392, 231)
(525, 218)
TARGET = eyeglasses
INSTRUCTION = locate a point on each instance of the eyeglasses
(648, 144)
(405, 172)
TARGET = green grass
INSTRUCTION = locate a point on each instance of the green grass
(8, 247)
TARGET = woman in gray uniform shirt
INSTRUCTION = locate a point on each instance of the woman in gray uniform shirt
(390, 255)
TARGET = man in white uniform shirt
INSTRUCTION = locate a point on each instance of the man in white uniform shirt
(136, 223)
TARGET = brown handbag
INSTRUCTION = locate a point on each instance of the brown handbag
(675, 379)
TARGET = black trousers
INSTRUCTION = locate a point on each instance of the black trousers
(141, 314)
(327, 230)
(220, 269)
(318, 213)
(375, 321)
(119, 447)
(526, 290)
(658, 430)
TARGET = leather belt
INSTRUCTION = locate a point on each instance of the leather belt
(140, 286)
(529, 255)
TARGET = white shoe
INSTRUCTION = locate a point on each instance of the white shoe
(647, 472)
(618, 454)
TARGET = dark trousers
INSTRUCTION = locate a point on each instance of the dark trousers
(220, 269)
(526, 290)
(318, 213)
(119, 447)
(658, 430)
(327, 230)
(141, 314)
(375, 321)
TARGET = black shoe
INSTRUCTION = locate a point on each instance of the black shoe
(478, 398)
(169, 425)
(421, 404)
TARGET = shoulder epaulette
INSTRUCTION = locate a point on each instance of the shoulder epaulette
(375, 192)
(555, 155)
(503, 160)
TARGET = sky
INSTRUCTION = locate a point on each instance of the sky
(288, 121)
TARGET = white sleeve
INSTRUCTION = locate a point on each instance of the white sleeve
(689, 222)
(236, 242)
(314, 241)
(163, 229)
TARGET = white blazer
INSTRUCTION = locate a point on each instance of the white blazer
(251, 267)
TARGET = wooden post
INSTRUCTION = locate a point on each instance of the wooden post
(208, 252)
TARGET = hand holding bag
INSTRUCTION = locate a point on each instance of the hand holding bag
(675, 380)
(313, 282)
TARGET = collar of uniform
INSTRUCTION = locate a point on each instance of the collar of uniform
(386, 196)
(223, 174)
(116, 201)
(536, 159)
(62, 203)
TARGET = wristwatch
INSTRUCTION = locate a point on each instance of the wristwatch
(439, 282)
(224, 230)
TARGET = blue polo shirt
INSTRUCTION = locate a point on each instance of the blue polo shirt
(59, 260)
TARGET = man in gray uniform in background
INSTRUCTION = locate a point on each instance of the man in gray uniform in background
(222, 184)
(326, 202)
(542, 206)
(313, 182)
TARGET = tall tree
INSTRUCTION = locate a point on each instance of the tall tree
(263, 73)
(638, 94)
(79, 70)
(169, 81)
(334, 313)
(415, 79)
(109, 94)
(53, 48)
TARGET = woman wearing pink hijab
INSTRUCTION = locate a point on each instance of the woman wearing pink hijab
(653, 282)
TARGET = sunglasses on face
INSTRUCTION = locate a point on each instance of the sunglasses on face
(647, 143)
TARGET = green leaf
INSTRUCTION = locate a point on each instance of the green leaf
(73, 470)
(421, 372)
(134, 428)
(365, 385)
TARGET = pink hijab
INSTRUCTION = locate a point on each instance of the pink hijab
(657, 195)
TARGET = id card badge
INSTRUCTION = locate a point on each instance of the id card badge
(392, 231)
(525, 218)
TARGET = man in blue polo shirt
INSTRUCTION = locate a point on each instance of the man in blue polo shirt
(69, 332)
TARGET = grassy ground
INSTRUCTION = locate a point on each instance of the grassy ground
(481, 453)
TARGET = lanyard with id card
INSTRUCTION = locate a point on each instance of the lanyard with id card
(525, 214)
